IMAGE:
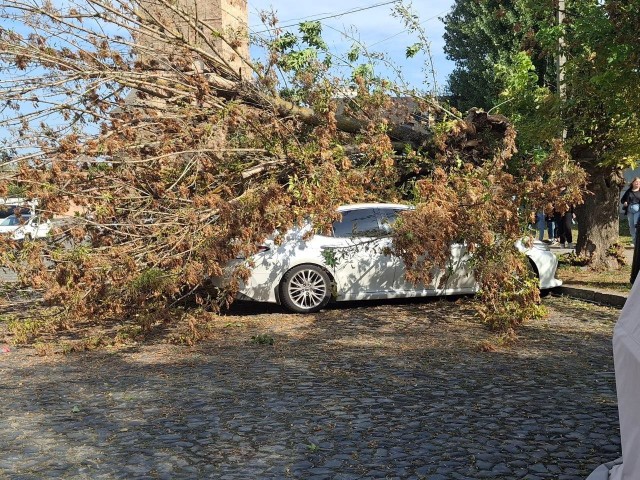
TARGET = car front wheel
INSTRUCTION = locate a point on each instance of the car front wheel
(534, 269)
(305, 289)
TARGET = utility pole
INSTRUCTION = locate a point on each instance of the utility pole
(560, 61)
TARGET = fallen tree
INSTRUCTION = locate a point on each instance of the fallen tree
(177, 164)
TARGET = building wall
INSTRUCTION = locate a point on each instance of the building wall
(234, 17)
(227, 17)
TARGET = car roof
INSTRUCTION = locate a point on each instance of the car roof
(362, 206)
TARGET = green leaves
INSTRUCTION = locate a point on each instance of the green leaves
(364, 71)
(478, 35)
(354, 54)
(262, 339)
(298, 60)
(301, 53)
(287, 41)
(517, 76)
(329, 257)
(412, 50)
(153, 280)
(312, 35)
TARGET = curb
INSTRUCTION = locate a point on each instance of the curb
(602, 298)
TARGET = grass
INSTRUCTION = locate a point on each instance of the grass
(614, 280)
(611, 280)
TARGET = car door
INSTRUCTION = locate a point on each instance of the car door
(455, 277)
(40, 227)
(34, 228)
(459, 275)
(401, 286)
(362, 265)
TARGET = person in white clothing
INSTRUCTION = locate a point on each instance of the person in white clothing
(626, 358)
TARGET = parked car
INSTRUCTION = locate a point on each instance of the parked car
(297, 275)
(25, 226)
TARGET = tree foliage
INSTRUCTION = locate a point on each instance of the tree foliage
(176, 165)
(481, 34)
(600, 75)
(599, 113)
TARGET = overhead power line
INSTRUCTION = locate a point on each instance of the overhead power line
(407, 29)
(336, 15)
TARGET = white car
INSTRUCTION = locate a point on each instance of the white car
(298, 275)
(25, 226)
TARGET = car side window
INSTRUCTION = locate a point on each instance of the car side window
(13, 221)
(362, 222)
(387, 218)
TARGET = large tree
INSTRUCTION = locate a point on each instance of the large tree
(598, 112)
(601, 112)
(177, 165)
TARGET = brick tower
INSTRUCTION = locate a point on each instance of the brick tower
(228, 17)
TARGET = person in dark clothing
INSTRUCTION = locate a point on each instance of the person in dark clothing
(631, 205)
(551, 227)
(563, 222)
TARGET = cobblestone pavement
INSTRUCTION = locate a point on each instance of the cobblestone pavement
(384, 391)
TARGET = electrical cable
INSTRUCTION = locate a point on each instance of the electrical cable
(348, 12)
(407, 29)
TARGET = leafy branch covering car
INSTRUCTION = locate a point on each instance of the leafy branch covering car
(25, 227)
(355, 262)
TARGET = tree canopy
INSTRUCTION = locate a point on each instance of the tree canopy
(599, 111)
(481, 34)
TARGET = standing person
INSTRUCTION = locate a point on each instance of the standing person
(631, 205)
(551, 227)
(559, 227)
(541, 225)
(563, 222)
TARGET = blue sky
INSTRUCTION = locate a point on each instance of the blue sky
(370, 21)
(376, 27)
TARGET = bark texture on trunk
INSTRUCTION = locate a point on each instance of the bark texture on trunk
(598, 219)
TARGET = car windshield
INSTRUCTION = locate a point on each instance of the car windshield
(13, 221)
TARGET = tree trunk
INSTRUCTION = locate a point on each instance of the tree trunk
(598, 219)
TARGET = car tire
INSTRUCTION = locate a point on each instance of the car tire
(305, 289)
